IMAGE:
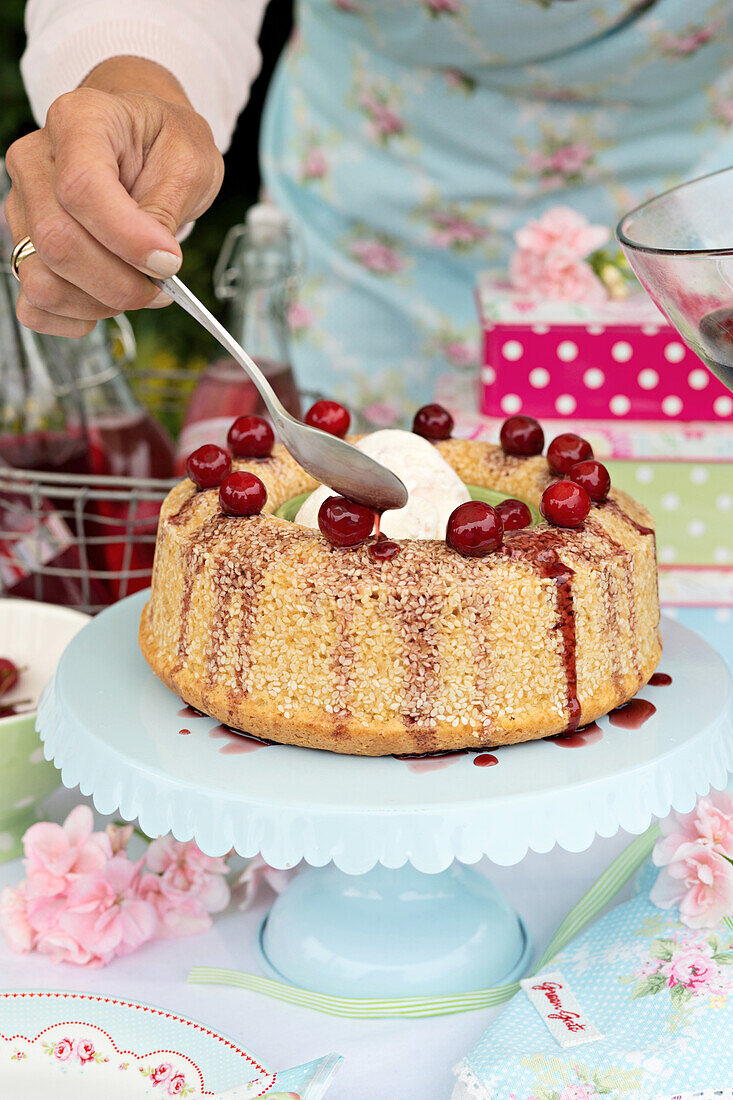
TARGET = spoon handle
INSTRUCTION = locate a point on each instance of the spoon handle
(180, 294)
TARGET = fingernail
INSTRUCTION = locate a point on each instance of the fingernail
(163, 264)
(161, 299)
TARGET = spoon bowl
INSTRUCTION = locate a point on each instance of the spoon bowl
(328, 459)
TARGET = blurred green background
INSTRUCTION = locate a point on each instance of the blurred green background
(168, 338)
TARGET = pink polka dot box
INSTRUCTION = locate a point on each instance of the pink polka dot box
(563, 359)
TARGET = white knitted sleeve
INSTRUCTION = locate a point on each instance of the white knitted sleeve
(210, 46)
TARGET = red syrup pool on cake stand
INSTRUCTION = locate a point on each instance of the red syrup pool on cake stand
(383, 850)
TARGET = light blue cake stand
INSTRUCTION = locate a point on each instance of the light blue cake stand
(387, 907)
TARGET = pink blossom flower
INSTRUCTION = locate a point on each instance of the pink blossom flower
(14, 920)
(377, 257)
(56, 854)
(692, 967)
(314, 165)
(176, 1084)
(557, 275)
(186, 872)
(84, 1050)
(700, 882)
(176, 916)
(564, 228)
(161, 1073)
(256, 874)
(104, 913)
(710, 823)
(63, 1050)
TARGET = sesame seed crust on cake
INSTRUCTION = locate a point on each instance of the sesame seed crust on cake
(265, 626)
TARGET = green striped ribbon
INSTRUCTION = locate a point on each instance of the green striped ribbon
(613, 878)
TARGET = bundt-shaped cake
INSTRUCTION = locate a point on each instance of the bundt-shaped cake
(266, 626)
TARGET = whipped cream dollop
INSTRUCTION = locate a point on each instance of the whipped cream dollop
(434, 489)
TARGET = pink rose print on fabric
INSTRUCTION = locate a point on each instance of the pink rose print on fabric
(376, 256)
(299, 317)
(690, 967)
(176, 1084)
(454, 231)
(379, 102)
(435, 8)
(314, 165)
(687, 969)
(690, 41)
(63, 1050)
(558, 159)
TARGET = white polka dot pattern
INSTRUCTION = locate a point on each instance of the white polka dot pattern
(512, 350)
(543, 364)
(539, 378)
(566, 404)
(619, 404)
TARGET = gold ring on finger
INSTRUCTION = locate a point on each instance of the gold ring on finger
(23, 249)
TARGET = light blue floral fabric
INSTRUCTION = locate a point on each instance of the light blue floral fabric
(409, 138)
(661, 994)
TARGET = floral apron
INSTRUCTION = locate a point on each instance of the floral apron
(408, 139)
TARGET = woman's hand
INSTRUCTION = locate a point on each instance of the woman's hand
(101, 191)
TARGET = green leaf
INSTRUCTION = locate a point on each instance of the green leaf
(679, 995)
(725, 958)
(662, 949)
(643, 989)
(657, 982)
(715, 942)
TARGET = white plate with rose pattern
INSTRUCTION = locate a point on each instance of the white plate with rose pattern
(73, 1046)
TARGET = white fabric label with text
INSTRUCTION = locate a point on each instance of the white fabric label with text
(567, 1023)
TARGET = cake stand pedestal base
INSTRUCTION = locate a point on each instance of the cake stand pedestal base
(393, 933)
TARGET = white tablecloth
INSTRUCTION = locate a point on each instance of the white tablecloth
(384, 1059)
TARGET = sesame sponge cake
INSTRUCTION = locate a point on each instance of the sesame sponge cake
(269, 628)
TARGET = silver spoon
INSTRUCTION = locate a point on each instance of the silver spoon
(330, 460)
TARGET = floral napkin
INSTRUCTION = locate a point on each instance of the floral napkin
(659, 992)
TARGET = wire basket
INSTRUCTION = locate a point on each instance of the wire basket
(86, 540)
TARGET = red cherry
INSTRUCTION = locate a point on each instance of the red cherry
(9, 674)
(514, 514)
(251, 437)
(475, 529)
(522, 435)
(567, 449)
(208, 466)
(242, 494)
(330, 417)
(433, 422)
(565, 504)
(344, 522)
(594, 478)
